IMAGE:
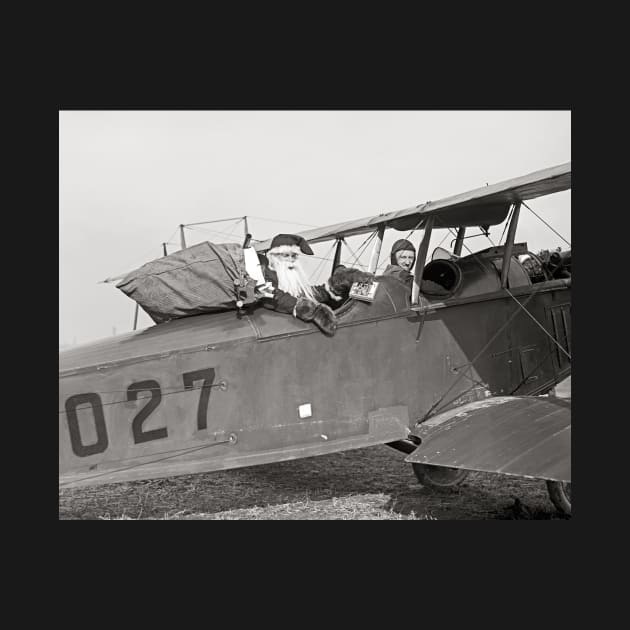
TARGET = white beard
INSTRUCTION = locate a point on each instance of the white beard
(293, 281)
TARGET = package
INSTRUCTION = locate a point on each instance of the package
(253, 266)
(204, 278)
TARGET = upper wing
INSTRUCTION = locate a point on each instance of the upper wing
(488, 205)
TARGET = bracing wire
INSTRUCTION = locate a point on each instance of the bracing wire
(175, 391)
(523, 307)
(352, 252)
(171, 236)
(475, 258)
(547, 224)
(231, 235)
(476, 357)
(320, 264)
(142, 259)
(364, 248)
(539, 324)
(249, 216)
(225, 235)
(440, 243)
(361, 248)
(318, 257)
(414, 229)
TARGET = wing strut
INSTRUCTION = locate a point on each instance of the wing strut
(459, 241)
(376, 251)
(422, 256)
(337, 258)
(509, 244)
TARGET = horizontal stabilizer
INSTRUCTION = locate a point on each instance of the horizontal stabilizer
(526, 436)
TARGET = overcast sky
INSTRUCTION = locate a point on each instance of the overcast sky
(127, 179)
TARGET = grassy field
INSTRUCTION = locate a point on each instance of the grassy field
(365, 484)
(370, 483)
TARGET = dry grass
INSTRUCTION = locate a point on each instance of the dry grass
(364, 484)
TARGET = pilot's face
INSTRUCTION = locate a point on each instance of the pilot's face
(405, 259)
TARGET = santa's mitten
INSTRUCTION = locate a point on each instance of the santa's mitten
(343, 278)
(305, 309)
(325, 319)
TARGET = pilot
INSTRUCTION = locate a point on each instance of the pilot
(288, 290)
(403, 257)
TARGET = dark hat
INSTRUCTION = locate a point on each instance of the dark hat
(291, 240)
(401, 245)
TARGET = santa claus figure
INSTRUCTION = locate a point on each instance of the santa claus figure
(288, 289)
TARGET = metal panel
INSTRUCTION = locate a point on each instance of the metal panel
(173, 336)
(561, 320)
(523, 436)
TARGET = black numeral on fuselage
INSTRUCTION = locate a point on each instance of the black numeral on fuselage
(139, 435)
(78, 447)
(207, 375)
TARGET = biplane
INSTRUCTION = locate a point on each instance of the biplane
(461, 378)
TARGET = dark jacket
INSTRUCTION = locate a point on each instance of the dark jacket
(400, 273)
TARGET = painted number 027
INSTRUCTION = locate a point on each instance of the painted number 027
(205, 376)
